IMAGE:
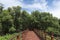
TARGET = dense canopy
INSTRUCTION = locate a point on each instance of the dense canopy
(14, 19)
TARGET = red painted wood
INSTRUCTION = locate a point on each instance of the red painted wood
(30, 35)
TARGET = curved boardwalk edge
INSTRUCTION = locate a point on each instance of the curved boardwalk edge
(36, 32)
(16, 36)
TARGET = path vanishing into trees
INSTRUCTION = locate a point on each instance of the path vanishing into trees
(29, 35)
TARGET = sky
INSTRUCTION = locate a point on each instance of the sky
(52, 6)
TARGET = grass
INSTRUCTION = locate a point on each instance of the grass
(49, 38)
(8, 36)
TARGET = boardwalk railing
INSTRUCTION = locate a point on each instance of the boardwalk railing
(16, 37)
(39, 34)
(44, 36)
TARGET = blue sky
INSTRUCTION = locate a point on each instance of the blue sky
(52, 6)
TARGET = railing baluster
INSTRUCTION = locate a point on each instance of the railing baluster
(52, 37)
(18, 37)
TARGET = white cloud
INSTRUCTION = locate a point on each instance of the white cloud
(56, 8)
(37, 5)
(9, 3)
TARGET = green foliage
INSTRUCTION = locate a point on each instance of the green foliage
(12, 29)
(7, 36)
(15, 19)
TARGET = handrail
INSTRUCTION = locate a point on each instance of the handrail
(43, 36)
(38, 34)
(17, 36)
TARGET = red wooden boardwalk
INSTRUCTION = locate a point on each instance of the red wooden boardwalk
(29, 35)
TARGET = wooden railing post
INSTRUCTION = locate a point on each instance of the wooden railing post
(52, 37)
(45, 35)
(57, 38)
(18, 37)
